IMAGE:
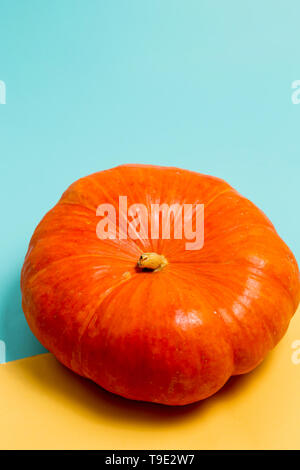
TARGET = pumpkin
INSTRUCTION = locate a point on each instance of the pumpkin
(147, 318)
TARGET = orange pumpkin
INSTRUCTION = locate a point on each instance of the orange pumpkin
(148, 319)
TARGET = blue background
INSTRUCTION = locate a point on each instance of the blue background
(199, 84)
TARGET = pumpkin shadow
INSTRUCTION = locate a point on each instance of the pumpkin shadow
(14, 330)
(88, 398)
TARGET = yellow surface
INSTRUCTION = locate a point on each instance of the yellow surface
(45, 406)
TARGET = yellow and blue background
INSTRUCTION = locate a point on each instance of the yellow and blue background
(199, 84)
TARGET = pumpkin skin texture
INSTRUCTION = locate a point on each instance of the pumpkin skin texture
(174, 336)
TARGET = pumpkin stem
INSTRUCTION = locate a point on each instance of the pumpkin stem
(152, 261)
